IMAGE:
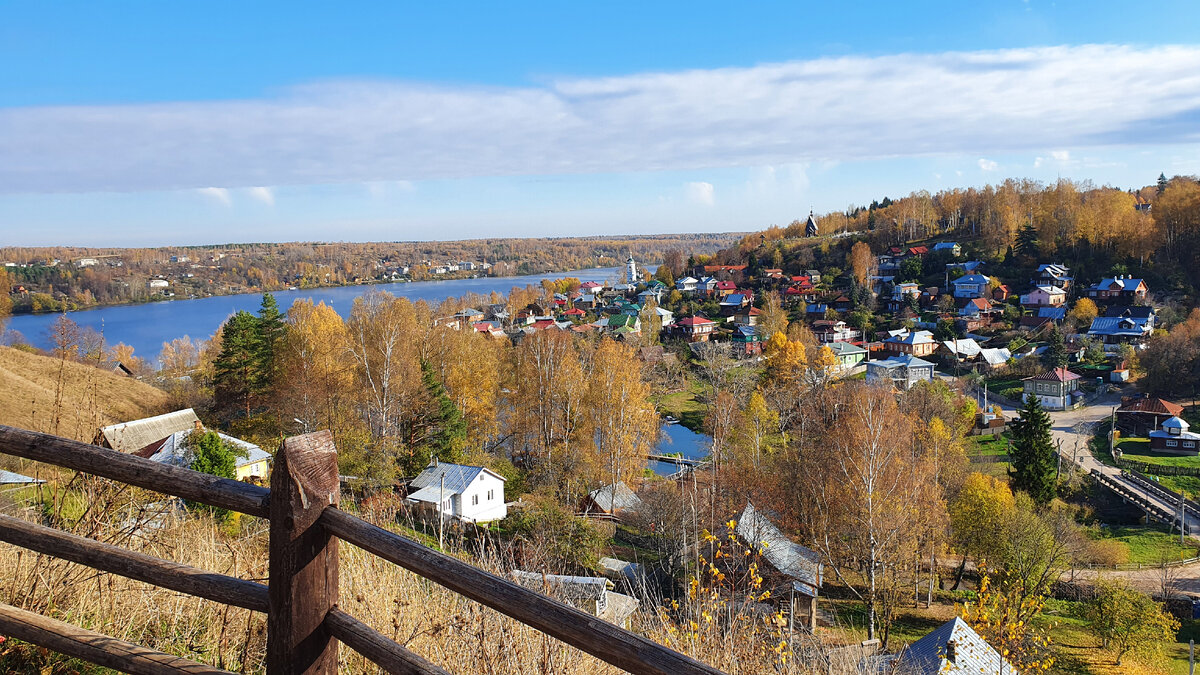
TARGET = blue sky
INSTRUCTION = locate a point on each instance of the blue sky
(162, 123)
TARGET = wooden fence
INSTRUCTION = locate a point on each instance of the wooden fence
(304, 623)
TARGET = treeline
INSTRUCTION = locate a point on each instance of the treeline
(1154, 230)
(123, 275)
(555, 412)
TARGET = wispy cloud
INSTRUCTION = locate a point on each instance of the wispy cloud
(701, 193)
(263, 194)
(988, 164)
(964, 103)
(221, 195)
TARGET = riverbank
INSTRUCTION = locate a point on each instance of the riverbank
(146, 326)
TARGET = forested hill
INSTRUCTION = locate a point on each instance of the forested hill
(1151, 233)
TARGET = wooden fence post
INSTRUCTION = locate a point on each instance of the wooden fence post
(303, 583)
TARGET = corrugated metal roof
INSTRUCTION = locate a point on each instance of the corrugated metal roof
(786, 556)
(10, 478)
(1152, 405)
(458, 477)
(1056, 375)
(931, 655)
(137, 434)
(174, 450)
(616, 497)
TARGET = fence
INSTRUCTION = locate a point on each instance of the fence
(304, 624)
(1158, 469)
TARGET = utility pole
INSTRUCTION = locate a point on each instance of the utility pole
(1112, 432)
(441, 513)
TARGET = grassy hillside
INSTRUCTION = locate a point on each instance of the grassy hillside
(90, 397)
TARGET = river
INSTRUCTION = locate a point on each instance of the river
(676, 438)
(147, 326)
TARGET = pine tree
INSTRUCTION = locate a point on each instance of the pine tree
(237, 377)
(1162, 182)
(444, 428)
(1056, 351)
(271, 330)
(1027, 241)
(1033, 465)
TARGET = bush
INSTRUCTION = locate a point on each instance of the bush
(557, 540)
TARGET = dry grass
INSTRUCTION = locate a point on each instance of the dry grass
(89, 398)
(454, 632)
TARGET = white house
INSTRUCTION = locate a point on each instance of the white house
(970, 286)
(158, 284)
(686, 284)
(902, 372)
(470, 493)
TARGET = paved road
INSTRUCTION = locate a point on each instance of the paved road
(1071, 431)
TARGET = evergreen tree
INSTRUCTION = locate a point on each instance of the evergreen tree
(1033, 464)
(237, 377)
(444, 429)
(1056, 351)
(1027, 241)
(1162, 182)
(271, 330)
(214, 456)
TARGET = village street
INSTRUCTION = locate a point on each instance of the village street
(1071, 431)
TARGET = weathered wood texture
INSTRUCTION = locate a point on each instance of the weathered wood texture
(94, 647)
(199, 487)
(138, 566)
(588, 633)
(303, 583)
(382, 650)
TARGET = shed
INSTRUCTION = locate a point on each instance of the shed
(612, 500)
(130, 437)
(800, 567)
(954, 648)
(590, 594)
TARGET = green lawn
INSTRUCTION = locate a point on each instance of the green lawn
(1138, 450)
(982, 446)
(684, 405)
(1148, 545)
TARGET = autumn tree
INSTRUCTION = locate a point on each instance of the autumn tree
(862, 263)
(623, 421)
(382, 335)
(547, 400)
(756, 429)
(867, 499)
(1083, 312)
(774, 318)
(316, 383)
(1128, 622)
(979, 517)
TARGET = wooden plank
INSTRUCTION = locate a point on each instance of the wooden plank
(94, 647)
(173, 480)
(588, 633)
(382, 651)
(138, 566)
(303, 584)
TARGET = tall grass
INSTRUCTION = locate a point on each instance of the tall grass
(450, 630)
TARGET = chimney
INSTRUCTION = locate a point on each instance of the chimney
(951, 652)
(199, 426)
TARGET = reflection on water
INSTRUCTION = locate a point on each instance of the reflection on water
(678, 439)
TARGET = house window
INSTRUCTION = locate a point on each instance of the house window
(1189, 444)
(1171, 444)
(474, 500)
(490, 495)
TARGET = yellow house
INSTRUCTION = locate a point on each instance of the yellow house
(254, 467)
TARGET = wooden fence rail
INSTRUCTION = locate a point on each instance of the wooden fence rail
(304, 623)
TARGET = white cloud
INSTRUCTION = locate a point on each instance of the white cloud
(221, 195)
(1061, 155)
(1004, 102)
(700, 193)
(263, 194)
(988, 164)
(1037, 162)
(382, 188)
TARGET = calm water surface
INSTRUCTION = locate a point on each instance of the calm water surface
(146, 327)
(676, 438)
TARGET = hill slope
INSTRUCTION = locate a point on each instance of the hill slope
(91, 397)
